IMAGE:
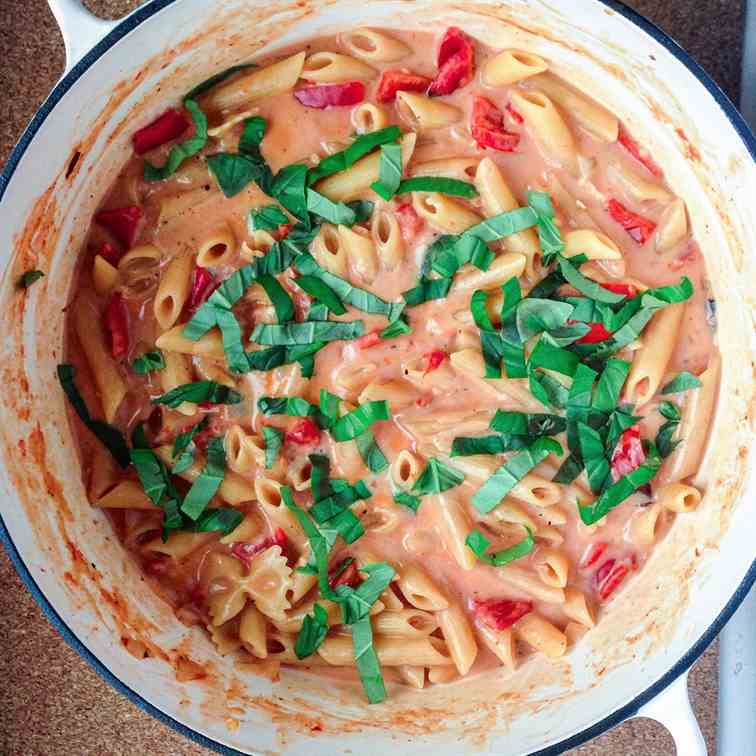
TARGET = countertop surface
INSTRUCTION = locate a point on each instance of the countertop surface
(51, 701)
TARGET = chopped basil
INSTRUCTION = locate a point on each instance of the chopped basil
(329, 406)
(357, 602)
(568, 334)
(321, 291)
(488, 496)
(266, 218)
(479, 544)
(619, 421)
(681, 382)
(363, 210)
(624, 487)
(464, 446)
(273, 442)
(289, 187)
(549, 236)
(408, 500)
(148, 362)
(152, 474)
(665, 441)
(366, 660)
(569, 470)
(440, 184)
(199, 392)
(361, 146)
(357, 421)
(224, 519)
(345, 524)
(334, 212)
(592, 454)
(293, 406)
(437, 478)
(427, 289)
(234, 171)
(553, 358)
(111, 438)
(273, 357)
(491, 343)
(547, 389)
(183, 150)
(610, 384)
(290, 334)
(535, 316)
(351, 295)
(313, 632)
(586, 286)
(400, 327)
(279, 297)
(504, 224)
(390, 171)
(328, 507)
(669, 410)
(208, 84)
(183, 447)
(29, 277)
(206, 485)
(252, 135)
(371, 453)
(524, 424)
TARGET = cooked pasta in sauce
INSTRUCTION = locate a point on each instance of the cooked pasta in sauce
(403, 352)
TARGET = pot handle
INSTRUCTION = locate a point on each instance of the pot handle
(672, 709)
(81, 29)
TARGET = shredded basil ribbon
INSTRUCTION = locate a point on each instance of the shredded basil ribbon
(28, 277)
(273, 443)
(479, 544)
(681, 382)
(183, 150)
(198, 393)
(266, 218)
(206, 485)
(183, 447)
(389, 170)
(439, 184)
(437, 478)
(148, 362)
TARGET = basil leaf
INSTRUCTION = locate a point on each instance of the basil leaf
(488, 496)
(268, 359)
(437, 478)
(313, 632)
(610, 385)
(233, 172)
(491, 344)
(592, 453)
(363, 210)
(329, 406)
(586, 286)
(327, 508)
(289, 187)
(152, 474)
(440, 184)
(625, 335)
(206, 485)
(351, 295)
(199, 392)
(408, 500)
(681, 382)
(317, 311)
(390, 171)
(148, 362)
(535, 316)
(345, 524)
(479, 544)
(273, 443)
(524, 424)
(370, 452)
(569, 470)
(224, 519)
(279, 297)
(624, 487)
(183, 150)
(666, 295)
(293, 406)
(400, 327)
(357, 602)
(547, 389)
(665, 442)
(111, 438)
(334, 212)
(29, 277)
(426, 290)
(252, 136)
(290, 334)
(183, 447)
(669, 410)
(553, 358)
(568, 334)
(266, 218)
(441, 257)
(322, 291)
(208, 84)
(549, 235)
(579, 406)
(361, 146)
(464, 446)
(504, 224)
(357, 421)
(619, 421)
(366, 660)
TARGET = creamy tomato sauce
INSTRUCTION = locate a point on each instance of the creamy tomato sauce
(441, 399)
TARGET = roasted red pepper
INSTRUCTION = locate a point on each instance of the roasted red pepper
(609, 576)
(169, 126)
(304, 433)
(641, 155)
(349, 576)
(516, 117)
(245, 551)
(593, 554)
(122, 222)
(110, 253)
(435, 358)
(410, 223)
(499, 614)
(331, 95)
(487, 127)
(203, 284)
(117, 326)
(369, 340)
(456, 58)
(396, 80)
(626, 289)
(628, 454)
(597, 333)
(638, 227)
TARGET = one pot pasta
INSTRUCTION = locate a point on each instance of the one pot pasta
(392, 354)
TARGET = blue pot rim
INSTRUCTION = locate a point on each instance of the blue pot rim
(129, 24)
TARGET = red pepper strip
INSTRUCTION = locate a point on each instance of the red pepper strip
(612, 581)
(110, 253)
(169, 126)
(641, 156)
(331, 95)
(117, 325)
(350, 576)
(369, 340)
(638, 227)
(396, 80)
(593, 554)
(515, 115)
(203, 284)
(121, 222)
(487, 127)
(456, 57)
(499, 614)
(282, 231)
(245, 551)
(597, 333)
(304, 433)
(410, 223)
(435, 358)
(628, 454)
(626, 289)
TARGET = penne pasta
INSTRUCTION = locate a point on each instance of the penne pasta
(425, 113)
(330, 67)
(511, 66)
(459, 637)
(443, 213)
(387, 238)
(678, 497)
(368, 117)
(173, 291)
(374, 46)
(542, 635)
(593, 244)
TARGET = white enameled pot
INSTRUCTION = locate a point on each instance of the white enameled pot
(66, 551)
